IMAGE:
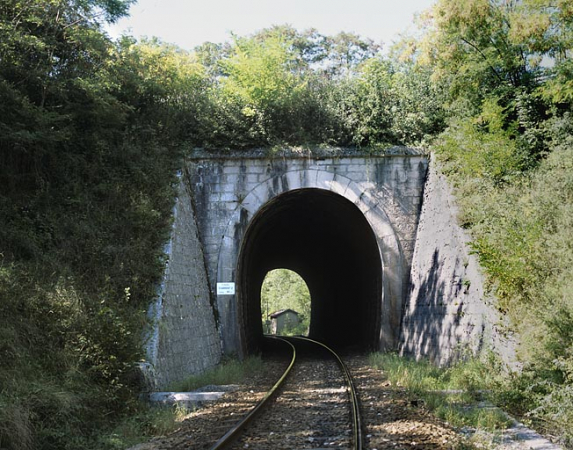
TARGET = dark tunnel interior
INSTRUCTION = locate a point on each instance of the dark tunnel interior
(327, 240)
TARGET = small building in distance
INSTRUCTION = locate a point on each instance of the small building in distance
(283, 320)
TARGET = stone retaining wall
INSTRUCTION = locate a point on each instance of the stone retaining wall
(185, 339)
(448, 312)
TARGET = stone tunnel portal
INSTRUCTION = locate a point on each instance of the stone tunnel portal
(327, 240)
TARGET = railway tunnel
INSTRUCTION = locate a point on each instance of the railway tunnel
(327, 240)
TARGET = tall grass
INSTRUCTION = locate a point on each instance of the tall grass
(452, 393)
(141, 425)
(230, 372)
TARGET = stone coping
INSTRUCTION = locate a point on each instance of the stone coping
(306, 152)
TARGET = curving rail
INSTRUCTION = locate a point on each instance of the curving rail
(237, 429)
(356, 418)
(240, 426)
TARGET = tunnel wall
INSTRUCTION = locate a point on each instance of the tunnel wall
(448, 312)
(228, 191)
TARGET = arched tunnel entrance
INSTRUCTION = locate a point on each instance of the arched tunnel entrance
(327, 240)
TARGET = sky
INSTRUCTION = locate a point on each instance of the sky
(189, 23)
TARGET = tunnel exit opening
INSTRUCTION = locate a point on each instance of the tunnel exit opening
(326, 240)
(285, 303)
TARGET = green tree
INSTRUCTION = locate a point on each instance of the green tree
(346, 51)
(387, 102)
(262, 97)
(260, 74)
(470, 48)
(545, 29)
(210, 55)
(480, 55)
(309, 46)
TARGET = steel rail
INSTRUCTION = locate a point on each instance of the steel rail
(358, 438)
(234, 432)
(237, 429)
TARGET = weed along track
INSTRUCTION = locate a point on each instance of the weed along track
(314, 405)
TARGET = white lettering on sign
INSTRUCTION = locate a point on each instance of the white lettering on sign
(225, 288)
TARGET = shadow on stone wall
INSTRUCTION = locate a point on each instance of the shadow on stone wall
(448, 314)
(442, 320)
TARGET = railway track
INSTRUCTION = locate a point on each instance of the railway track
(312, 411)
(313, 405)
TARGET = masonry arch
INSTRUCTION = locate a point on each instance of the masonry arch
(337, 238)
(326, 239)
